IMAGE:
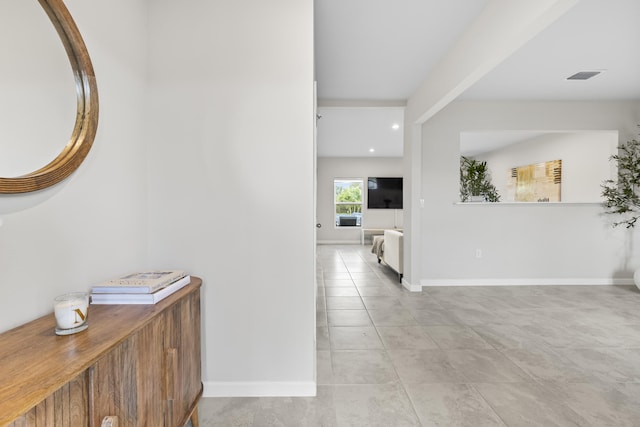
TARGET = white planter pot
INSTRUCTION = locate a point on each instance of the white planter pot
(636, 278)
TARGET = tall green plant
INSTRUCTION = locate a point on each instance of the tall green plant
(621, 196)
(475, 180)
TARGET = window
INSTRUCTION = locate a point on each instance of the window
(348, 202)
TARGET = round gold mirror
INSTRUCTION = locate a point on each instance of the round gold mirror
(86, 123)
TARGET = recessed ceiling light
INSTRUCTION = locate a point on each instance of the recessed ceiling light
(395, 126)
(583, 75)
(371, 150)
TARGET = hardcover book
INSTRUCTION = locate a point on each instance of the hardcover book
(140, 298)
(139, 283)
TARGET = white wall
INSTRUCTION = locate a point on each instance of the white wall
(176, 178)
(525, 243)
(330, 168)
(231, 182)
(92, 226)
(585, 162)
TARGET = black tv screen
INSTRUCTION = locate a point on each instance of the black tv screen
(384, 193)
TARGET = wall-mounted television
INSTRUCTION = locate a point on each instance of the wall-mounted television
(384, 193)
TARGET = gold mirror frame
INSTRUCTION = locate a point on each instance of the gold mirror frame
(86, 124)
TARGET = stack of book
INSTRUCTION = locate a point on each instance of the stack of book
(140, 288)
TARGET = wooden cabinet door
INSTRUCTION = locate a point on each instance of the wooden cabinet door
(153, 378)
(183, 376)
(127, 381)
(67, 406)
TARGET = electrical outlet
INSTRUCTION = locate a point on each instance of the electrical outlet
(478, 253)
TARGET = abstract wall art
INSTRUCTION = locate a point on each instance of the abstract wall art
(539, 182)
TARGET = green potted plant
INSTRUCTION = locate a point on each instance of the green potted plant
(475, 182)
(622, 196)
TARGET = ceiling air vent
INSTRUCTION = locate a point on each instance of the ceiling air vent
(583, 75)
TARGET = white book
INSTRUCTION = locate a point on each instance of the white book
(139, 283)
(130, 298)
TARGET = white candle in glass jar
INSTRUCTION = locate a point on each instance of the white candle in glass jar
(71, 310)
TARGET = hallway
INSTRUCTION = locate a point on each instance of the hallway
(464, 356)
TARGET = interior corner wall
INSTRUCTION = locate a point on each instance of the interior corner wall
(519, 243)
(330, 168)
(231, 178)
(91, 226)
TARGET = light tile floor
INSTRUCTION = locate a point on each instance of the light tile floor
(458, 356)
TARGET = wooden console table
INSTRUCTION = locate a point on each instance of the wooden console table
(136, 365)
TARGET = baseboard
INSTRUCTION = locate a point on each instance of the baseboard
(258, 389)
(412, 288)
(338, 242)
(526, 282)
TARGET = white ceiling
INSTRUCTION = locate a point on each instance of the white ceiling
(383, 49)
(377, 53)
(354, 132)
(594, 35)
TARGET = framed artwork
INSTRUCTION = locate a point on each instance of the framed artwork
(539, 182)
